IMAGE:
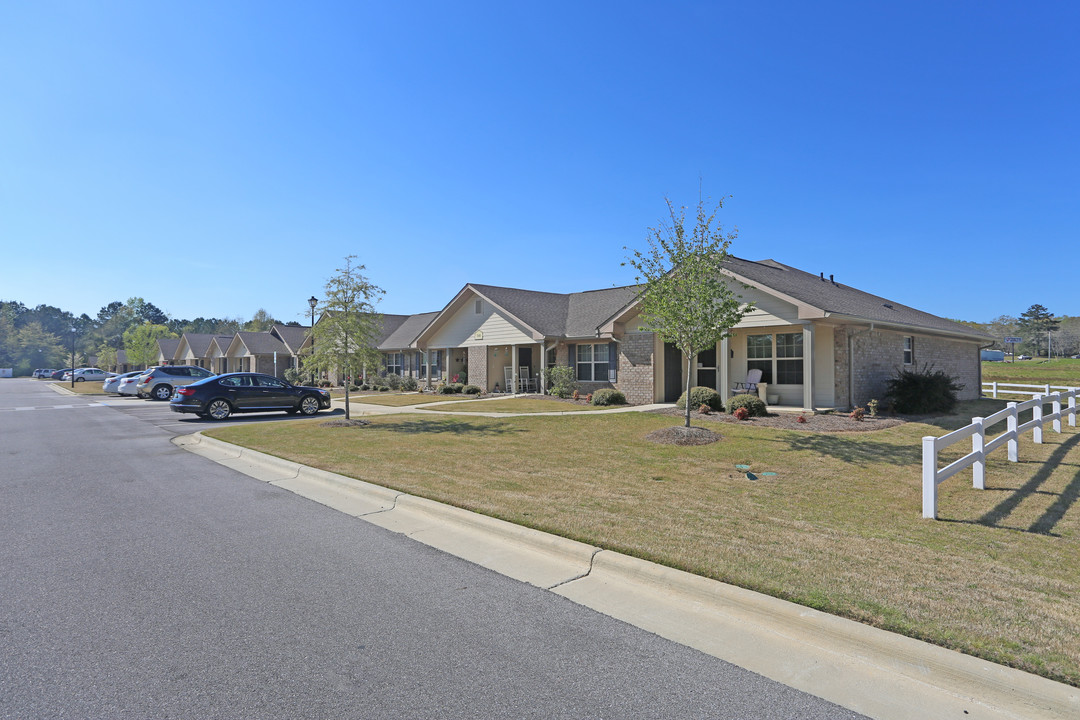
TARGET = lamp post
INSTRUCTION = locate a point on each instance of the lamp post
(72, 357)
(312, 302)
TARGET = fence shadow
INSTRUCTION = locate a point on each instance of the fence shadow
(855, 451)
(1053, 515)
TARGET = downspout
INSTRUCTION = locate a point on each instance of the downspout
(851, 362)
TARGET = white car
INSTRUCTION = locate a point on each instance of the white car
(112, 385)
(127, 385)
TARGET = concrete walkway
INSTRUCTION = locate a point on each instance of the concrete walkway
(871, 671)
(446, 408)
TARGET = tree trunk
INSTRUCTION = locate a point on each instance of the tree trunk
(689, 361)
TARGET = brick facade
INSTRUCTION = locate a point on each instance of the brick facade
(879, 353)
(636, 368)
(478, 367)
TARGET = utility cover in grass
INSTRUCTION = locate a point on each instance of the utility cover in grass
(683, 436)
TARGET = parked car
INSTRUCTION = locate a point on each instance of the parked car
(222, 395)
(1024, 357)
(59, 374)
(43, 373)
(127, 385)
(160, 382)
(91, 374)
(112, 385)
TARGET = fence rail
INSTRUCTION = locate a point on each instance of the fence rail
(980, 447)
(994, 389)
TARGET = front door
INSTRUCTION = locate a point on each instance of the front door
(706, 370)
(672, 373)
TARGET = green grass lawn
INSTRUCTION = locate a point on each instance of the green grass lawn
(838, 528)
(1034, 372)
(393, 399)
(516, 405)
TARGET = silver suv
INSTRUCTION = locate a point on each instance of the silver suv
(159, 382)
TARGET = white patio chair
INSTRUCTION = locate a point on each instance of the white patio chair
(753, 377)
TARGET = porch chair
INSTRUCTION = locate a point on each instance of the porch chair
(753, 377)
(508, 377)
(528, 384)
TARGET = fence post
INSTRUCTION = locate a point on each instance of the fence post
(1072, 408)
(1056, 406)
(1036, 415)
(978, 442)
(929, 478)
(1012, 422)
(994, 387)
(1047, 386)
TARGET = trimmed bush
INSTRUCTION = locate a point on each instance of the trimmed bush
(922, 392)
(563, 381)
(755, 406)
(354, 388)
(471, 390)
(701, 396)
(446, 389)
(384, 388)
(393, 380)
(365, 386)
(608, 396)
(409, 384)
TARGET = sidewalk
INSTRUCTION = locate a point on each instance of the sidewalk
(859, 667)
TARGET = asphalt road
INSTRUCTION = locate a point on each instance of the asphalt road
(140, 581)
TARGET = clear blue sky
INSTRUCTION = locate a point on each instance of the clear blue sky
(218, 157)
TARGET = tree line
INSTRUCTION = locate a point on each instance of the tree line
(45, 336)
(1040, 330)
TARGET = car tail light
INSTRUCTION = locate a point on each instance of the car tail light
(185, 391)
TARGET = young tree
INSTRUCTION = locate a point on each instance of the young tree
(141, 343)
(685, 298)
(106, 357)
(1036, 323)
(348, 328)
(37, 348)
(261, 321)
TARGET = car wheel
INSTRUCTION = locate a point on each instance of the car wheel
(309, 404)
(142, 395)
(162, 392)
(219, 409)
(79, 379)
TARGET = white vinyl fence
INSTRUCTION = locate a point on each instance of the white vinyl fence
(980, 448)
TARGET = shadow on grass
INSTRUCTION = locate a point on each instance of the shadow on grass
(433, 426)
(1053, 515)
(855, 450)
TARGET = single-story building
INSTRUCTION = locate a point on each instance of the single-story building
(399, 355)
(819, 344)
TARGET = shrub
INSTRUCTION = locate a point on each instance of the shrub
(563, 380)
(857, 414)
(741, 413)
(872, 407)
(701, 396)
(409, 384)
(754, 406)
(608, 396)
(704, 409)
(456, 387)
(294, 376)
(365, 386)
(324, 383)
(471, 390)
(576, 395)
(383, 388)
(446, 389)
(800, 419)
(354, 388)
(393, 380)
(921, 392)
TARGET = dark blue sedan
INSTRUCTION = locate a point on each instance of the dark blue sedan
(220, 396)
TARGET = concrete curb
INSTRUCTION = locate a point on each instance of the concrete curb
(859, 667)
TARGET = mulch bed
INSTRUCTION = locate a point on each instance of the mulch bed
(819, 423)
(683, 436)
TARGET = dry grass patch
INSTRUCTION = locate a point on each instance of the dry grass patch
(838, 528)
(394, 399)
(84, 387)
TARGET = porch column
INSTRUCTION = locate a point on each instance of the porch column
(724, 361)
(514, 367)
(427, 368)
(808, 366)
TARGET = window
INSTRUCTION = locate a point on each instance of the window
(759, 355)
(781, 364)
(551, 358)
(592, 362)
(393, 363)
(909, 350)
(269, 382)
(479, 307)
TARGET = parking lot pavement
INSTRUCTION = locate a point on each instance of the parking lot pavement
(157, 413)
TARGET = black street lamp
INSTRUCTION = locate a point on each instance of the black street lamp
(312, 302)
(72, 357)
